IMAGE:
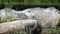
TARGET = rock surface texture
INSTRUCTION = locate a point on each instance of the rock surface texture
(36, 17)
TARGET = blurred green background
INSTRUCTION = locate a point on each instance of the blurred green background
(23, 4)
(31, 1)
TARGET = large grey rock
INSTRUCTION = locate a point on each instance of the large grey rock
(18, 24)
(6, 12)
(21, 15)
(44, 15)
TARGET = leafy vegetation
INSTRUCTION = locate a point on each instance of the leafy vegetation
(45, 30)
(30, 1)
(8, 19)
(58, 25)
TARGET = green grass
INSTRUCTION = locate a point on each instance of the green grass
(30, 1)
(44, 31)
